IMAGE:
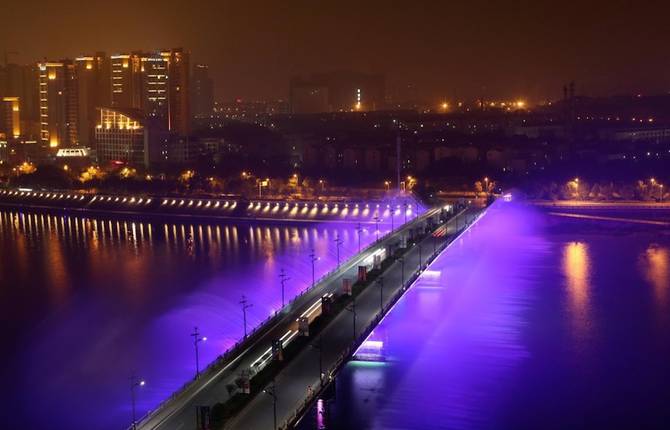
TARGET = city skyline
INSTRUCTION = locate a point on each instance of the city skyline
(440, 51)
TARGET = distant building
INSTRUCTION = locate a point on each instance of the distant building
(10, 117)
(157, 83)
(202, 92)
(93, 90)
(126, 81)
(307, 97)
(637, 134)
(179, 91)
(78, 157)
(337, 92)
(21, 81)
(125, 135)
(253, 112)
(58, 97)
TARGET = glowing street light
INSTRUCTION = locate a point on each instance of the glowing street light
(387, 185)
(575, 183)
(196, 340)
(135, 383)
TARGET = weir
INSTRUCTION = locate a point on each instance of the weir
(393, 210)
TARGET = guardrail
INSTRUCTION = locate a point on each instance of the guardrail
(237, 348)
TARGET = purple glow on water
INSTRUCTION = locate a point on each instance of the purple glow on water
(87, 303)
(529, 321)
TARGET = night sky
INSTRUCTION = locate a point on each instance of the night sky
(447, 49)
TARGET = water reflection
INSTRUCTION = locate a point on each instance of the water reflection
(656, 266)
(576, 267)
(86, 301)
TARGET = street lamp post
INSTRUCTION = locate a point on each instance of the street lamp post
(377, 219)
(402, 271)
(196, 340)
(358, 230)
(283, 277)
(338, 242)
(134, 383)
(404, 205)
(392, 216)
(312, 258)
(245, 305)
(272, 392)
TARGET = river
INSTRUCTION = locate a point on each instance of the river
(86, 303)
(531, 320)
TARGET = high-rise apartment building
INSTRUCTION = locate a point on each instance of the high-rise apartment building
(179, 94)
(58, 104)
(157, 83)
(155, 86)
(126, 80)
(202, 92)
(93, 90)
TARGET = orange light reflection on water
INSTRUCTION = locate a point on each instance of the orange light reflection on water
(576, 269)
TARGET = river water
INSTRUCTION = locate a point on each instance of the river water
(86, 303)
(532, 320)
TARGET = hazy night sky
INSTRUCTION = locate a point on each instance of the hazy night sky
(451, 49)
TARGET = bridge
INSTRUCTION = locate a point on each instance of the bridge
(307, 371)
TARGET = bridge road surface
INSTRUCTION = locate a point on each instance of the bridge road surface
(180, 413)
(291, 385)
